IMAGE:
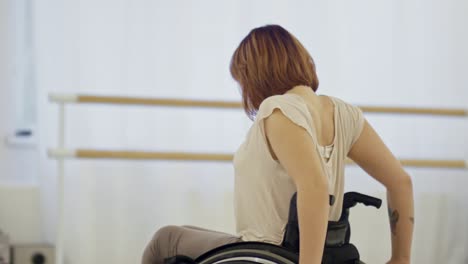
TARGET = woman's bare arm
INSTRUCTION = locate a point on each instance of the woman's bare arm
(371, 154)
(296, 152)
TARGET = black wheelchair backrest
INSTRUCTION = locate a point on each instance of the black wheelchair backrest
(338, 232)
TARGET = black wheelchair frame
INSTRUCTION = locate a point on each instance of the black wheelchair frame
(338, 249)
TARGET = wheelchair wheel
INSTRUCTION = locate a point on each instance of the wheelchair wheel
(249, 252)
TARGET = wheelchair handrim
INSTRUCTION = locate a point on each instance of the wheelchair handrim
(247, 259)
(257, 256)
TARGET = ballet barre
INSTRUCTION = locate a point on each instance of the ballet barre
(121, 100)
(216, 157)
(61, 153)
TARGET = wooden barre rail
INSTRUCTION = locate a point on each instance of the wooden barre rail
(142, 155)
(120, 100)
(183, 156)
(157, 101)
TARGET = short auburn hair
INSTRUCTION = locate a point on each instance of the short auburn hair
(270, 61)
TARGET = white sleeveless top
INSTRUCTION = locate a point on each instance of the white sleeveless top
(263, 189)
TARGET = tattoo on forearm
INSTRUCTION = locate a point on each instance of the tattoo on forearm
(412, 220)
(394, 216)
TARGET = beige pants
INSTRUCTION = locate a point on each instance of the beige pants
(183, 240)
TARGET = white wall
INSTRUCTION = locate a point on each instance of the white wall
(367, 52)
(19, 205)
(11, 159)
(19, 213)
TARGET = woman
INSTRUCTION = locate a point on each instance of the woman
(299, 142)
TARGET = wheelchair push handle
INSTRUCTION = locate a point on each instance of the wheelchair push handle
(352, 198)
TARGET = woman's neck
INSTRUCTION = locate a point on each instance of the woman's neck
(305, 92)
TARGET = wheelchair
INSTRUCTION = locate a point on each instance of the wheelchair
(338, 249)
